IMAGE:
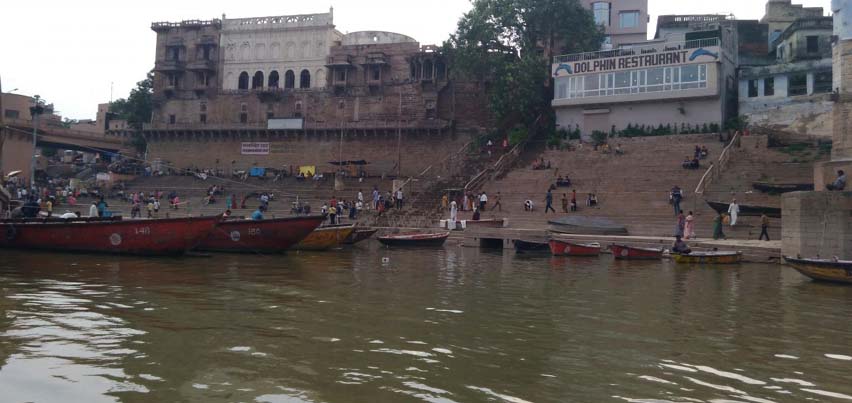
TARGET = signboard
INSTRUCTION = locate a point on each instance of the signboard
(103, 177)
(628, 62)
(285, 124)
(254, 149)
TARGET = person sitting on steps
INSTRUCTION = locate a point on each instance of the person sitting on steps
(680, 246)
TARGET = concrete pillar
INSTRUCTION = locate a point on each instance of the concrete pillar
(817, 224)
(810, 80)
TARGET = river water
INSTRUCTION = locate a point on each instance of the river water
(449, 325)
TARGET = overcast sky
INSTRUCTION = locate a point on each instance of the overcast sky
(70, 51)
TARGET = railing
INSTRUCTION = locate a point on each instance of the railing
(670, 21)
(820, 23)
(506, 161)
(186, 23)
(638, 50)
(715, 171)
(436, 124)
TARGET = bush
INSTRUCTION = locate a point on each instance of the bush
(737, 123)
(575, 134)
(517, 135)
(599, 137)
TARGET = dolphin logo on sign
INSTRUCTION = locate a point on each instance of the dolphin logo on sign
(702, 52)
(563, 66)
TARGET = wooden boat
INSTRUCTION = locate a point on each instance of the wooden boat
(780, 188)
(709, 257)
(325, 237)
(360, 234)
(837, 271)
(522, 246)
(566, 248)
(587, 226)
(170, 236)
(746, 210)
(263, 236)
(415, 240)
(633, 253)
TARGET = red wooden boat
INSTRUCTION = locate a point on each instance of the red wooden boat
(633, 253)
(415, 239)
(566, 248)
(171, 236)
(262, 236)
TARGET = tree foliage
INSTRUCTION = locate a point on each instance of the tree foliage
(511, 43)
(136, 109)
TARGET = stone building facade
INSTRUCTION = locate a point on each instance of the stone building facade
(284, 80)
(277, 52)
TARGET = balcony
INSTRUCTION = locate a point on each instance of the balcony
(169, 65)
(201, 65)
(375, 58)
(339, 61)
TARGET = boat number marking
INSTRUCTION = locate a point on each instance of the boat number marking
(624, 252)
(254, 231)
(567, 250)
(142, 231)
(115, 239)
(235, 236)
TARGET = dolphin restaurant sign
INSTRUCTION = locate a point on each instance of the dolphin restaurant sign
(628, 62)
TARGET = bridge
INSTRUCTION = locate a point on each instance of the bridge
(17, 146)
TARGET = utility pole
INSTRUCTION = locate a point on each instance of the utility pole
(399, 137)
(36, 110)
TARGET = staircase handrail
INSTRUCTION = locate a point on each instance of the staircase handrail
(715, 170)
(506, 160)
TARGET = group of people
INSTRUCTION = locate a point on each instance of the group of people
(382, 202)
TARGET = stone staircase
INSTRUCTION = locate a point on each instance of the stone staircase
(632, 189)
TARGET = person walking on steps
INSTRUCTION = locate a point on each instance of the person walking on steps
(497, 205)
(549, 202)
(717, 227)
(764, 227)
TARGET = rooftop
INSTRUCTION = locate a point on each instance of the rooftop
(283, 21)
(820, 23)
(163, 25)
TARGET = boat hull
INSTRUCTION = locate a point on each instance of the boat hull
(479, 224)
(780, 188)
(262, 236)
(530, 246)
(622, 252)
(172, 236)
(563, 248)
(709, 258)
(360, 235)
(325, 238)
(415, 241)
(836, 272)
(745, 210)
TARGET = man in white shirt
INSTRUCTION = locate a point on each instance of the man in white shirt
(483, 200)
(399, 198)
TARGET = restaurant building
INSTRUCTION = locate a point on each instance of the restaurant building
(678, 84)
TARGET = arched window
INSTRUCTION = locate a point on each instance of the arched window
(242, 83)
(305, 79)
(273, 79)
(289, 79)
(257, 80)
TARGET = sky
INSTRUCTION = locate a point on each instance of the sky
(77, 54)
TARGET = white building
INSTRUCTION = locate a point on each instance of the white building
(277, 52)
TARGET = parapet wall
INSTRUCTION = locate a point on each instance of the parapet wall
(817, 224)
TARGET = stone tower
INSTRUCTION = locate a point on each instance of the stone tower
(819, 224)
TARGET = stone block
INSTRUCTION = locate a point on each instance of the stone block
(817, 224)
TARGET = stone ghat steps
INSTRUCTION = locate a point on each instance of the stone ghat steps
(632, 189)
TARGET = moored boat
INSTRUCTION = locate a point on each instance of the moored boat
(780, 188)
(634, 253)
(709, 257)
(415, 240)
(522, 246)
(359, 235)
(325, 237)
(565, 248)
(837, 271)
(746, 210)
(261, 236)
(169, 236)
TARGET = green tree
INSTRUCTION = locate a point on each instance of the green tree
(511, 44)
(136, 109)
